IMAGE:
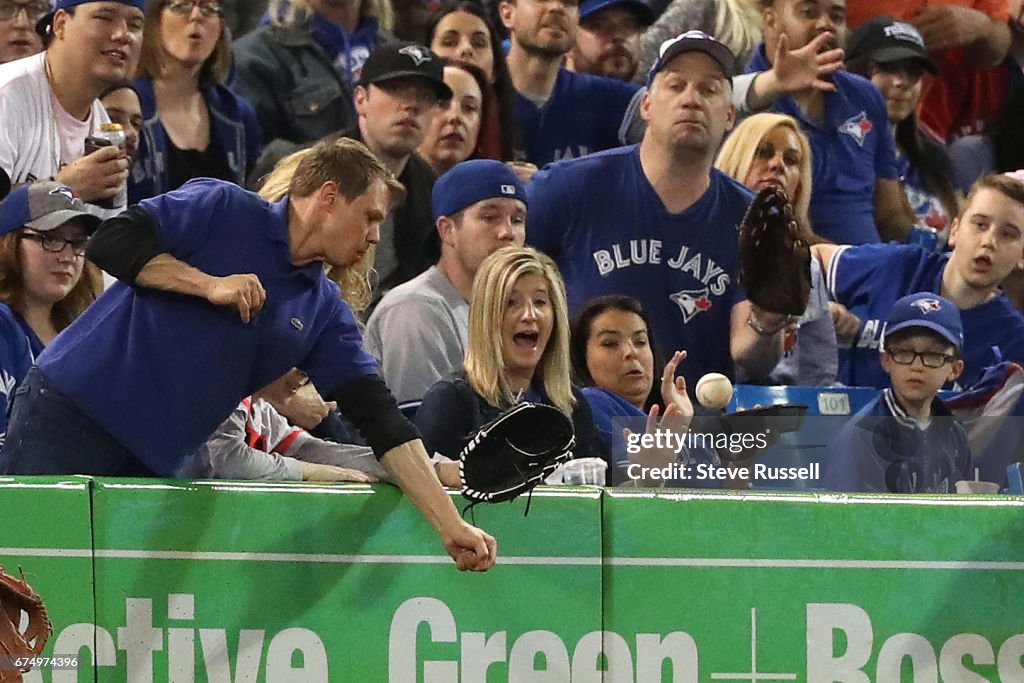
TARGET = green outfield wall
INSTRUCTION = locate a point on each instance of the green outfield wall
(186, 582)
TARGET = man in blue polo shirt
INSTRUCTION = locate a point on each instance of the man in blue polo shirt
(657, 222)
(988, 245)
(559, 114)
(221, 293)
(857, 196)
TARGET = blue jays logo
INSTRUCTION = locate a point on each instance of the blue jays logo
(691, 302)
(927, 305)
(416, 53)
(857, 127)
(65, 192)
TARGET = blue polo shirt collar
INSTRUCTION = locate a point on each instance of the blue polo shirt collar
(278, 231)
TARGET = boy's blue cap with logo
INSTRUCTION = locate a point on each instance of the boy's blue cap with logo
(43, 25)
(694, 41)
(642, 10)
(927, 311)
(43, 206)
(474, 181)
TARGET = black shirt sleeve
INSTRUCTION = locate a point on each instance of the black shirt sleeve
(368, 403)
(447, 417)
(589, 443)
(123, 245)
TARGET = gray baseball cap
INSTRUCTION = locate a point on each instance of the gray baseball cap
(43, 206)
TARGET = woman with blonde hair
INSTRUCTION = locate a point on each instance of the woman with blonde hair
(770, 150)
(194, 126)
(518, 350)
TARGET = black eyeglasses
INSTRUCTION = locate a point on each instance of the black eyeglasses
(207, 9)
(930, 359)
(34, 11)
(55, 245)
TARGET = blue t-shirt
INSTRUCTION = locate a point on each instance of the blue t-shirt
(160, 371)
(851, 150)
(608, 230)
(584, 114)
(927, 208)
(870, 278)
(884, 450)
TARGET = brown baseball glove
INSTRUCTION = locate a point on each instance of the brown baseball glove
(17, 597)
(775, 261)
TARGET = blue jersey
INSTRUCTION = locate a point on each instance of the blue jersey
(16, 356)
(884, 450)
(868, 279)
(160, 371)
(584, 114)
(927, 208)
(602, 222)
(850, 150)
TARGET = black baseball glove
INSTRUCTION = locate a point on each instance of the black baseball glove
(514, 452)
(775, 261)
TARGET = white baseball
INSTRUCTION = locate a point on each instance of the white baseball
(714, 391)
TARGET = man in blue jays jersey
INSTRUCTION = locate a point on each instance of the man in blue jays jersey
(656, 222)
(559, 114)
(988, 244)
(221, 294)
(857, 195)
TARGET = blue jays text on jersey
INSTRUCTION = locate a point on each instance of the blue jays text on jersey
(681, 266)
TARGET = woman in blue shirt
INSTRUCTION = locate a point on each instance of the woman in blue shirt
(45, 281)
(194, 126)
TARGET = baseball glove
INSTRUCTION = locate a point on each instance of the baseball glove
(514, 452)
(16, 597)
(775, 261)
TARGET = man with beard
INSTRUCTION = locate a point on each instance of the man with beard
(609, 38)
(49, 105)
(656, 222)
(18, 37)
(559, 114)
(857, 196)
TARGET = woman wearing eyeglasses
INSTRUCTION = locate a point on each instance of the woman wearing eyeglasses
(194, 125)
(45, 281)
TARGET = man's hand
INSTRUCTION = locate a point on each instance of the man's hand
(314, 471)
(946, 26)
(243, 291)
(297, 399)
(846, 324)
(472, 549)
(806, 68)
(99, 175)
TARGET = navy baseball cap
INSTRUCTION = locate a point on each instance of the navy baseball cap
(43, 206)
(885, 40)
(43, 25)
(694, 41)
(642, 10)
(405, 60)
(928, 311)
(473, 181)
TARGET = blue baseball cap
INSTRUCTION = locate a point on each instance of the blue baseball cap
(642, 10)
(694, 41)
(43, 206)
(473, 181)
(43, 25)
(928, 311)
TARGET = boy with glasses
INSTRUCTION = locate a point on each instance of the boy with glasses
(17, 28)
(906, 440)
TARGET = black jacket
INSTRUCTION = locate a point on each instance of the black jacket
(298, 93)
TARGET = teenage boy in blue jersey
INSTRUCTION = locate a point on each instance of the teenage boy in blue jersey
(857, 196)
(655, 221)
(988, 245)
(221, 293)
(559, 114)
(906, 440)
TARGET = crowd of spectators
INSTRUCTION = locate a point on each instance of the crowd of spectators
(573, 175)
